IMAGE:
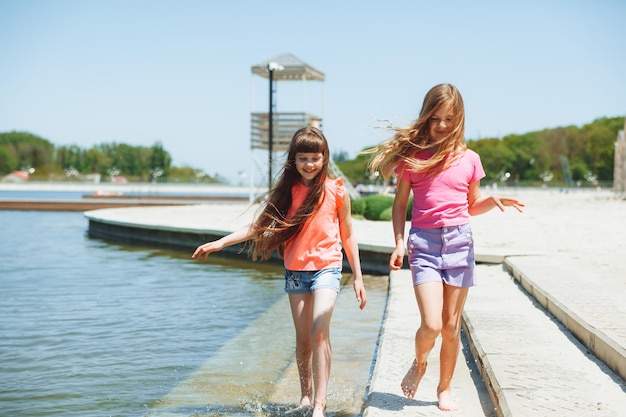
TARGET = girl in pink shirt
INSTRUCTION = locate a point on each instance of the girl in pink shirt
(430, 159)
(307, 219)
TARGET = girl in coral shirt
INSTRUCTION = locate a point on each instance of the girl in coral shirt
(307, 219)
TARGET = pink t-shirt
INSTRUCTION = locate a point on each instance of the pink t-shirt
(317, 246)
(441, 201)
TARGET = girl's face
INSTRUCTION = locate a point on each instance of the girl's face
(441, 122)
(308, 165)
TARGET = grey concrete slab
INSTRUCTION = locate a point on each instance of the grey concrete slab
(591, 306)
(395, 355)
(540, 369)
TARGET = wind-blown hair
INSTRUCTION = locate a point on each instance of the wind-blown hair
(406, 141)
(272, 228)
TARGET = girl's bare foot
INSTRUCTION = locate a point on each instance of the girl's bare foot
(304, 409)
(305, 402)
(412, 378)
(446, 403)
(319, 411)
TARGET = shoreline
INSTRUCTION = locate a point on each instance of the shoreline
(128, 188)
(243, 189)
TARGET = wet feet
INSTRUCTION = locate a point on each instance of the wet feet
(446, 403)
(300, 411)
(319, 411)
(303, 410)
(412, 378)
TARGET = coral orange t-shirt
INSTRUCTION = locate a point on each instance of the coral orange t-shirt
(317, 245)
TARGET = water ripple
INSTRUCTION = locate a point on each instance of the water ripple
(87, 326)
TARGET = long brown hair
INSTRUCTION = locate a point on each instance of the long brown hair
(411, 139)
(272, 228)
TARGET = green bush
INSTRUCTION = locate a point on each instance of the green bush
(377, 207)
(358, 207)
(386, 214)
(375, 204)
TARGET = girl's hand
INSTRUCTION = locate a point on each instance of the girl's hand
(396, 259)
(359, 291)
(206, 249)
(502, 202)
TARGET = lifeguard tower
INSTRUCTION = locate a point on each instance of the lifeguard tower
(275, 141)
(281, 68)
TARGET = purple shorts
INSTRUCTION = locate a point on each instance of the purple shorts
(442, 254)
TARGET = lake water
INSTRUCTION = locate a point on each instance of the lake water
(95, 328)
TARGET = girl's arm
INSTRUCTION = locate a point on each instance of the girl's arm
(398, 219)
(241, 235)
(351, 247)
(479, 205)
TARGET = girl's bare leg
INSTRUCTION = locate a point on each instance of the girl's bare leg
(301, 311)
(454, 300)
(429, 298)
(323, 306)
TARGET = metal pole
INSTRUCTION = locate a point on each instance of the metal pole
(271, 67)
(271, 125)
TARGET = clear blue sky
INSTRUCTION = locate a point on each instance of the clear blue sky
(86, 72)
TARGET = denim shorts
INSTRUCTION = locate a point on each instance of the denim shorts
(299, 282)
(442, 254)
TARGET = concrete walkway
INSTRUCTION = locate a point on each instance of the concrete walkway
(546, 324)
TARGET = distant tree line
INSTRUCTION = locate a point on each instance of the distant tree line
(565, 155)
(45, 161)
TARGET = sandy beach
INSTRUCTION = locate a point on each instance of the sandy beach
(578, 227)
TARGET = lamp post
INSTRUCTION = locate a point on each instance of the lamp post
(271, 67)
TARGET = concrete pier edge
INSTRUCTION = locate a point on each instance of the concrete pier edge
(486, 371)
(607, 350)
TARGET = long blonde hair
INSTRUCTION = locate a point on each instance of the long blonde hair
(272, 228)
(406, 141)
